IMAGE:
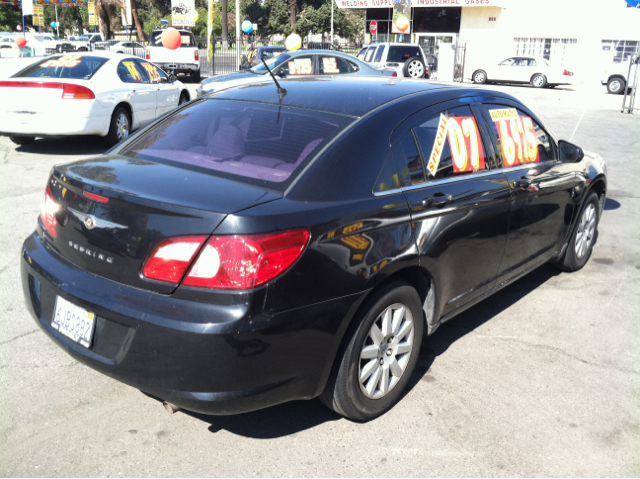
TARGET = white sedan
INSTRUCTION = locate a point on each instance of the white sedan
(128, 48)
(535, 71)
(87, 93)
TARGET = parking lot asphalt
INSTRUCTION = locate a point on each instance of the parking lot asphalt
(541, 379)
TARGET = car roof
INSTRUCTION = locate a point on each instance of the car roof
(342, 94)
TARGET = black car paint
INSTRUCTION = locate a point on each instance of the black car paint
(228, 352)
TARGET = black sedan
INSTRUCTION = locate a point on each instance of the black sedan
(251, 248)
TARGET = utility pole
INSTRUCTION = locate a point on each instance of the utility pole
(238, 34)
(57, 24)
(331, 22)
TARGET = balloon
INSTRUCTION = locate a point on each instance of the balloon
(19, 28)
(293, 42)
(21, 42)
(247, 27)
(53, 24)
(171, 38)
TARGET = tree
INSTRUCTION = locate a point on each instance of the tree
(10, 17)
(136, 20)
(223, 20)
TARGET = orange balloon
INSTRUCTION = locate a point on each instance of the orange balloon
(21, 42)
(402, 23)
(171, 38)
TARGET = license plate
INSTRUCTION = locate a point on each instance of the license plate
(73, 321)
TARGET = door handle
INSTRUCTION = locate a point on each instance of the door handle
(522, 183)
(438, 199)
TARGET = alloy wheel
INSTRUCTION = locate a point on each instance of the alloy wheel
(538, 80)
(479, 77)
(415, 69)
(122, 126)
(386, 351)
(615, 86)
(586, 231)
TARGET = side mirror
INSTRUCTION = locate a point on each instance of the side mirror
(173, 78)
(570, 153)
(280, 73)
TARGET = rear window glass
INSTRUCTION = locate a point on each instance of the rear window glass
(64, 66)
(258, 143)
(187, 38)
(401, 54)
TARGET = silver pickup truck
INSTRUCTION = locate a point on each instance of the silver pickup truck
(184, 59)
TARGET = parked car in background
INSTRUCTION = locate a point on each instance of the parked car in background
(293, 64)
(89, 41)
(615, 75)
(322, 46)
(256, 55)
(128, 48)
(407, 59)
(251, 249)
(535, 71)
(86, 93)
(185, 59)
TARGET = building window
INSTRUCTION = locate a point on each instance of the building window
(619, 50)
(559, 51)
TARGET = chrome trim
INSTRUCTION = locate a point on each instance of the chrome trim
(90, 221)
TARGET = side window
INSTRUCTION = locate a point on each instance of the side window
(519, 138)
(354, 66)
(508, 62)
(369, 54)
(334, 65)
(361, 54)
(379, 53)
(130, 72)
(451, 144)
(154, 73)
(298, 66)
(408, 161)
(388, 178)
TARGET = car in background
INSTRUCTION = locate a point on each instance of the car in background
(615, 75)
(291, 64)
(184, 59)
(90, 93)
(128, 48)
(407, 59)
(535, 71)
(257, 54)
(322, 46)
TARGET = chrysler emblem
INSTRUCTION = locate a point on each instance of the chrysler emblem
(90, 221)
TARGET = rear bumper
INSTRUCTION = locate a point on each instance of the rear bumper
(43, 124)
(189, 348)
(179, 67)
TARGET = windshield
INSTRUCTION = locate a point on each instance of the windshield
(64, 66)
(273, 62)
(254, 143)
(85, 37)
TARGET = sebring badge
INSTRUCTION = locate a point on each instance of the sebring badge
(91, 221)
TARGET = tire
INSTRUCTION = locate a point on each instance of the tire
(616, 86)
(479, 77)
(581, 243)
(538, 80)
(184, 98)
(366, 400)
(120, 127)
(22, 140)
(195, 76)
(414, 68)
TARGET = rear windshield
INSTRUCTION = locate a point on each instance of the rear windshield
(273, 62)
(64, 66)
(188, 40)
(255, 143)
(401, 54)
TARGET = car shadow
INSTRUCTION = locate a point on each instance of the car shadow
(75, 145)
(296, 416)
(610, 204)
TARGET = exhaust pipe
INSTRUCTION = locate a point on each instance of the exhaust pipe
(171, 408)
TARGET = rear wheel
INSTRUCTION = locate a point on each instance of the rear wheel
(539, 80)
(22, 140)
(184, 98)
(479, 76)
(195, 76)
(616, 85)
(581, 243)
(120, 126)
(377, 362)
(414, 68)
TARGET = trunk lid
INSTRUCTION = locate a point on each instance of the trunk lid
(139, 204)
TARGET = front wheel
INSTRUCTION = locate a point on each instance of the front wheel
(120, 126)
(479, 76)
(615, 86)
(22, 140)
(581, 243)
(538, 80)
(381, 354)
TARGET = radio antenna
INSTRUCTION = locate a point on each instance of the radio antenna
(281, 91)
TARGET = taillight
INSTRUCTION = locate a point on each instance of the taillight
(147, 55)
(48, 213)
(196, 55)
(394, 74)
(245, 262)
(171, 258)
(76, 92)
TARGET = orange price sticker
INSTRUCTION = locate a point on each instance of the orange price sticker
(300, 66)
(152, 71)
(518, 140)
(464, 140)
(65, 61)
(135, 74)
(330, 65)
